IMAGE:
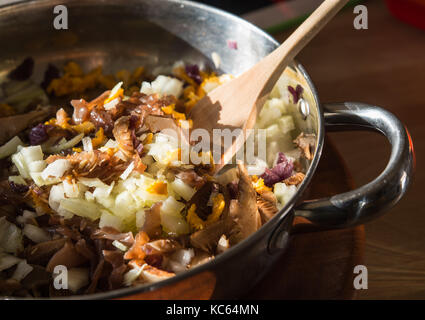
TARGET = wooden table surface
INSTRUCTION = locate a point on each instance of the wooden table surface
(385, 66)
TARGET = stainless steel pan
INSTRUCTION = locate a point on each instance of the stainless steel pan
(125, 34)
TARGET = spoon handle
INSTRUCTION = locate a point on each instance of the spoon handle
(268, 71)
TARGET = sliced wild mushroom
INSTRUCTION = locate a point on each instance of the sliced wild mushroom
(267, 205)
(306, 143)
(166, 126)
(112, 234)
(43, 251)
(161, 246)
(152, 225)
(207, 239)
(151, 274)
(123, 136)
(202, 197)
(190, 177)
(67, 256)
(295, 180)
(12, 125)
(243, 211)
(200, 258)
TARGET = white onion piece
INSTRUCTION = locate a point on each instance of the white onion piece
(77, 278)
(10, 147)
(7, 261)
(22, 270)
(111, 104)
(65, 144)
(119, 245)
(87, 144)
(127, 171)
(115, 89)
(10, 237)
(35, 233)
(56, 169)
(17, 180)
(132, 275)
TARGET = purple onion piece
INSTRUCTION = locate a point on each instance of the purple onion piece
(296, 93)
(193, 72)
(38, 134)
(232, 44)
(281, 171)
(18, 188)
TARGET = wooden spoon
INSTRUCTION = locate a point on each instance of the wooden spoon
(237, 103)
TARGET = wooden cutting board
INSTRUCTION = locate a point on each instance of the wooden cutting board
(318, 265)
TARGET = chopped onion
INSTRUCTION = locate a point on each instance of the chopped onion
(87, 144)
(77, 278)
(65, 144)
(146, 88)
(103, 192)
(223, 244)
(10, 237)
(172, 207)
(35, 233)
(19, 162)
(107, 219)
(17, 180)
(80, 207)
(22, 270)
(31, 154)
(71, 189)
(111, 104)
(182, 189)
(37, 166)
(56, 169)
(7, 261)
(115, 89)
(93, 182)
(39, 181)
(127, 171)
(119, 245)
(132, 275)
(140, 218)
(27, 217)
(180, 259)
(10, 147)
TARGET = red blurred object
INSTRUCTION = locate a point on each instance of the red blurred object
(410, 11)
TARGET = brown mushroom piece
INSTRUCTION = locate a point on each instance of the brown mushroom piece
(152, 225)
(167, 126)
(161, 246)
(191, 178)
(267, 205)
(112, 234)
(67, 256)
(306, 143)
(12, 125)
(207, 239)
(123, 135)
(243, 211)
(43, 251)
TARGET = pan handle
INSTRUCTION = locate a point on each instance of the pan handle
(369, 201)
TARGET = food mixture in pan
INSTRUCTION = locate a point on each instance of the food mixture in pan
(94, 186)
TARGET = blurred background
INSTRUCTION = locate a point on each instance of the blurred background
(383, 65)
